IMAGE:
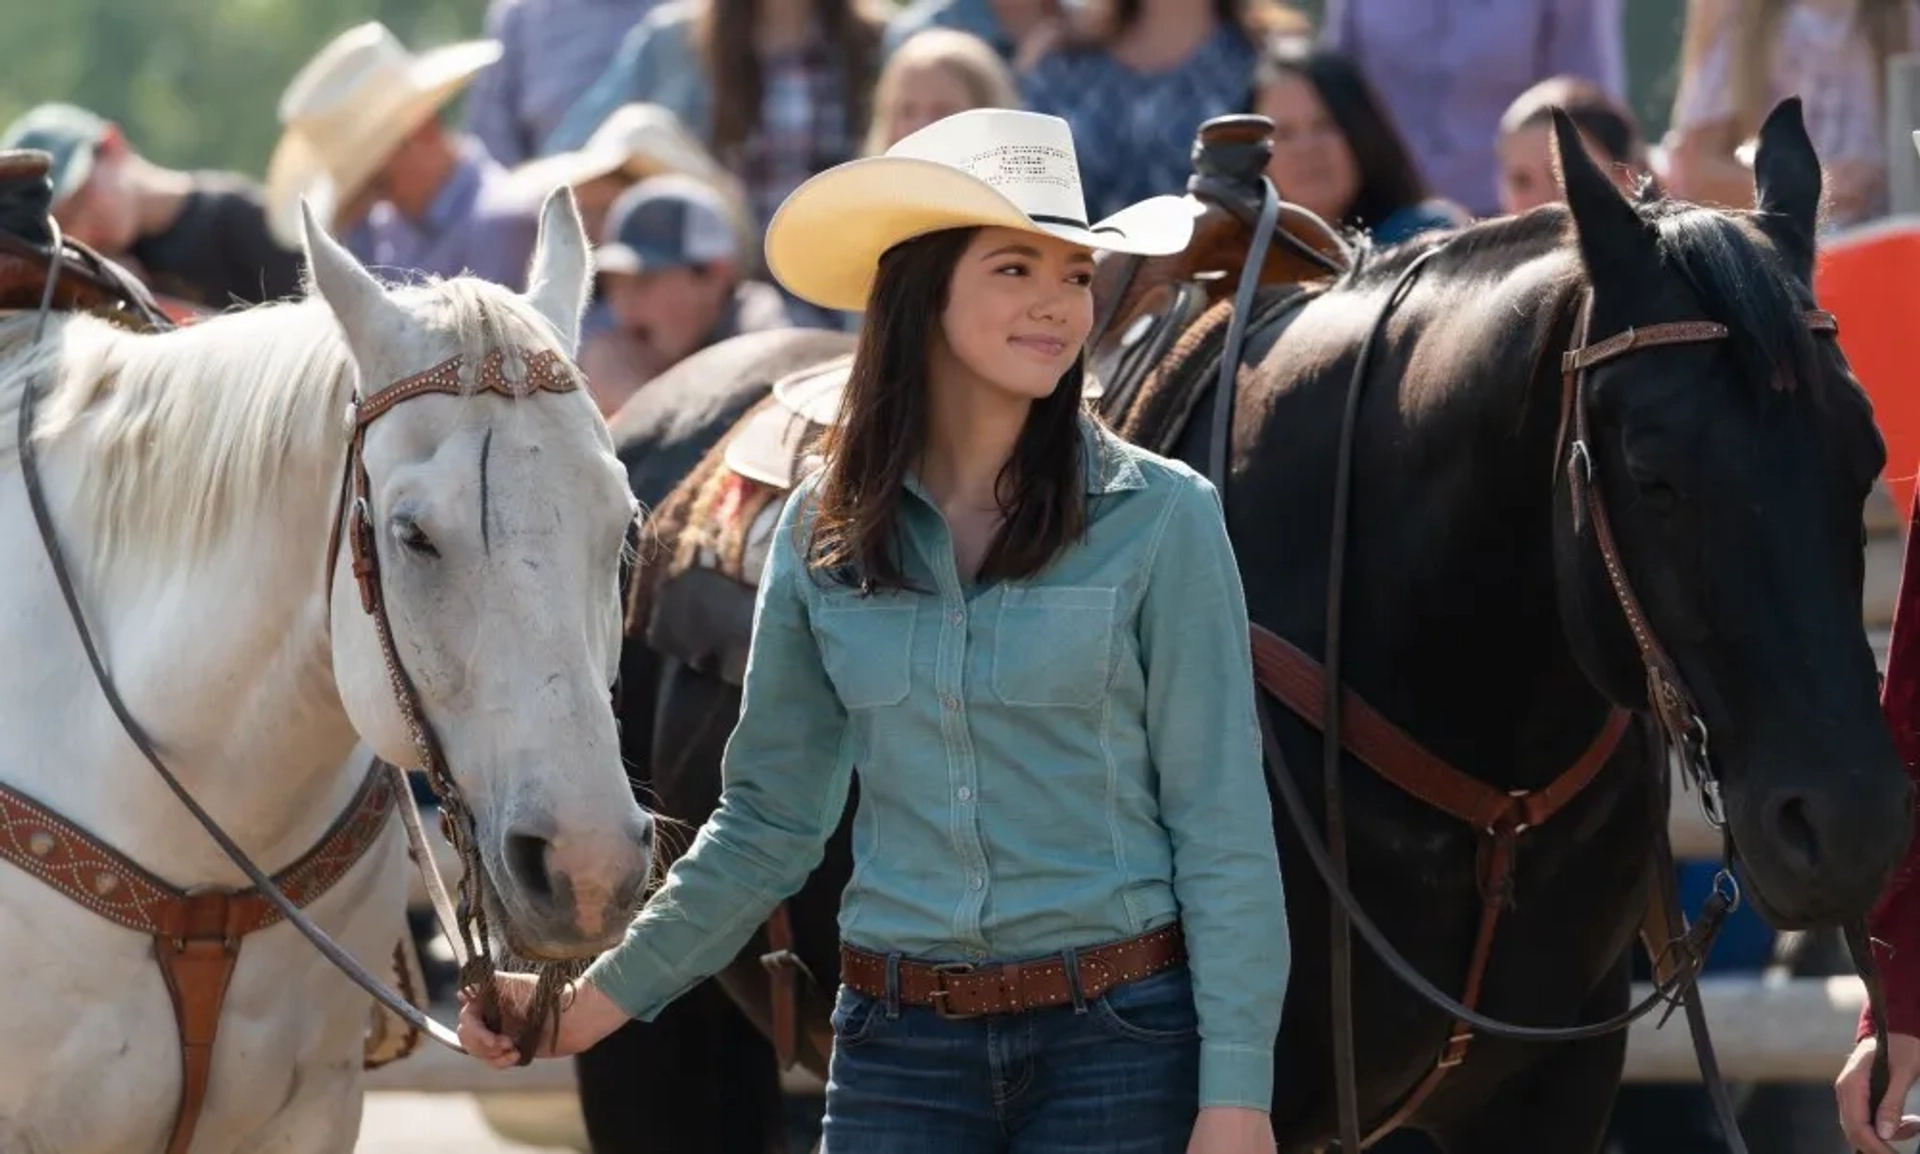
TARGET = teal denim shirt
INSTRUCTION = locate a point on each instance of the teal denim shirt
(1061, 761)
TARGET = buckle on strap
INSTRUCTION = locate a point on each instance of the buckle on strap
(940, 995)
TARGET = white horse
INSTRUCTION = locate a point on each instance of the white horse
(192, 476)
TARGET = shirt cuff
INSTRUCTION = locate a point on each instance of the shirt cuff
(1233, 1075)
(631, 980)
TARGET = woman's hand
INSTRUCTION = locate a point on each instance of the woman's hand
(1231, 1130)
(1853, 1088)
(588, 1016)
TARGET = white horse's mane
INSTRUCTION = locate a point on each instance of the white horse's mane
(190, 432)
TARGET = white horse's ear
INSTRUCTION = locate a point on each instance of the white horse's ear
(359, 302)
(560, 273)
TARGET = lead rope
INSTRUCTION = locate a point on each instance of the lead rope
(1860, 946)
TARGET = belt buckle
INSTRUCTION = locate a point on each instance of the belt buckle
(940, 992)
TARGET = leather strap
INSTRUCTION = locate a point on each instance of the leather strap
(780, 962)
(99, 877)
(197, 967)
(1299, 682)
(962, 990)
(196, 935)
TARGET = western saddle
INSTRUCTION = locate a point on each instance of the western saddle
(31, 249)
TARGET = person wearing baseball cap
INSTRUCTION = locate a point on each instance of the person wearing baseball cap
(201, 237)
(671, 279)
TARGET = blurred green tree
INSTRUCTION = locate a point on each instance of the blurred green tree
(194, 83)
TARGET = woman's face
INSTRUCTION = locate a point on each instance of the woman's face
(927, 92)
(1019, 308)
(1312, 165)
(1527, 179)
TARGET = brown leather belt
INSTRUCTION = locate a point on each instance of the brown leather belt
(962, 990)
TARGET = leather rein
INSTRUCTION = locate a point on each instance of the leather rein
(543, 370)
(1318, 696)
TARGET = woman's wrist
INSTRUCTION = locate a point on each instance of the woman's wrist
(592, 1015)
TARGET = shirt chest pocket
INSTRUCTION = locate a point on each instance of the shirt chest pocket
(1053, 646)
(866, 645)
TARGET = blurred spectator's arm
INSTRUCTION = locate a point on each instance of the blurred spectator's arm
(493, 99)
(618, 84)
(1701, 161)
(1583, 38)
(1334, 32)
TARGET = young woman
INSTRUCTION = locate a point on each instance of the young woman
(1065, 929)
(1335, 147)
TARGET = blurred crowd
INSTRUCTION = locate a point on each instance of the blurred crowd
(681, 125)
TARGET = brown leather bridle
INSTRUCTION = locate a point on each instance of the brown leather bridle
(1667, 694)
(465, 925)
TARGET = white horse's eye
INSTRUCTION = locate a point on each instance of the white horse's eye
(413, 538)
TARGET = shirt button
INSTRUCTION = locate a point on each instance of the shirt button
(964, 793)
(977, 882)
(950, 701)
(957, 617)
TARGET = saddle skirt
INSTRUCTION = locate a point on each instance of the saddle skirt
(694, 601)
(766, 454)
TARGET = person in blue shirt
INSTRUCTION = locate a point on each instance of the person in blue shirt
(1066, 928)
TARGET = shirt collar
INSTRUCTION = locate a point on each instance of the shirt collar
(1108, 467)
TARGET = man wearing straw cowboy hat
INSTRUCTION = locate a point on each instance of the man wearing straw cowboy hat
(362, 142)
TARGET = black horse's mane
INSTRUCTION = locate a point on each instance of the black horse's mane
(1738, 276)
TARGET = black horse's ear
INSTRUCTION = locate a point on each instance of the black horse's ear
(1786, 184)
(1615, 244)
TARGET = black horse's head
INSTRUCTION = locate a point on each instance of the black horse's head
(1734, 473)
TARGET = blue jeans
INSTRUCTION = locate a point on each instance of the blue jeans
(1117, 1074)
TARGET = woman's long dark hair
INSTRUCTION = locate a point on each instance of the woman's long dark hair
(723, 37)
(882, 430)
(1389, 178)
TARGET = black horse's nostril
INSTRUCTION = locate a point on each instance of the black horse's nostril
(527, 863)
(1793, 827)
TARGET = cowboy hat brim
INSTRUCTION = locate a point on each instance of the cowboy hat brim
(300, 167)
(825, 241)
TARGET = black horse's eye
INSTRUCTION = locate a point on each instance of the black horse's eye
(1658, 496)
(412, 538)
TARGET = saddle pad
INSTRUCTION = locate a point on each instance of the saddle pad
(767, 446)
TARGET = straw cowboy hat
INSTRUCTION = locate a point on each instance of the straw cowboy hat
(346, 111)
(639, 140)
(986, 166)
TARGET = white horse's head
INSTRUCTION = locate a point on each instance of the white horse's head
(498, 524)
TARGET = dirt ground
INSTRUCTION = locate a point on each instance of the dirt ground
(432, 1124)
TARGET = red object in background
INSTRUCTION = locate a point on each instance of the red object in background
(1869, 277)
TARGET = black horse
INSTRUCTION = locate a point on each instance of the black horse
(1481, 619)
